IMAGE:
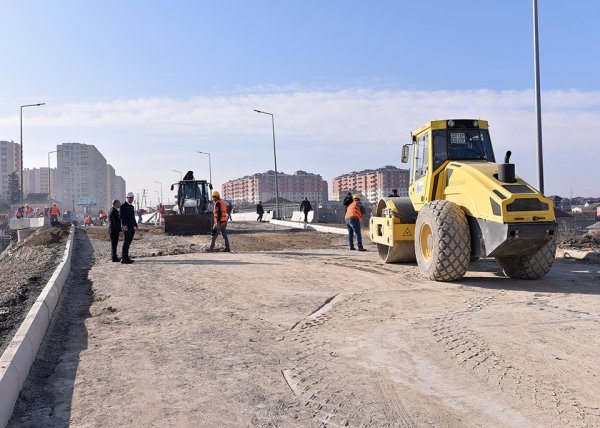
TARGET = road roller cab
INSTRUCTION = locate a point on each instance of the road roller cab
(462, 205)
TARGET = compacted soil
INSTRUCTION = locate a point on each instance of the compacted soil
(293, 329)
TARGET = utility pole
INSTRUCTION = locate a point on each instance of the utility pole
(538, 101)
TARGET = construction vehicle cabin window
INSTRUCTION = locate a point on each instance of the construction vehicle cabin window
(421, 157)
(461, 144)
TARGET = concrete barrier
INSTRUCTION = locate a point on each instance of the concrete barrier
(309, 226)
(24, 233)
(27, 223)
(299, 216)
(18, 357)
(250, 216)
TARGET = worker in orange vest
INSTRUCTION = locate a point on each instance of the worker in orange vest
(54, 214)
(87, 221)
(354, 216)
(220, 226)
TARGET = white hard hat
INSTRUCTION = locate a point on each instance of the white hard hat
(130, 195)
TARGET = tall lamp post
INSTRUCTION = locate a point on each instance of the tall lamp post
(180, 174)
(22, 107)
(538, 102)
(277, 212)
(161, 194)
(209, 166)
(49, 186)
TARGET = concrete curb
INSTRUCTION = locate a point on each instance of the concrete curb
(308, 226)
(20, 354)
(583, 255)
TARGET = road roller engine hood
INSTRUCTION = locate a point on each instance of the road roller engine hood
(510, 201)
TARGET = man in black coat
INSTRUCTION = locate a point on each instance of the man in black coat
(114, 228)
(129, 225)
(348, 200)
(305, 207)
(260, 211)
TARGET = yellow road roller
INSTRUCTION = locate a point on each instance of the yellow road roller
(462, 206)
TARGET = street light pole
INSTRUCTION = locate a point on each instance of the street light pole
(180, 174)
(209, 166)
(49, 188)
(161, 193)
(277, 212)
(538, 101)
(23, 106)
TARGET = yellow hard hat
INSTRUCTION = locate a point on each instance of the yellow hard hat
(215, 193)
(357, 196)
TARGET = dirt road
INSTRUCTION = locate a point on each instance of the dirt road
(229, 340)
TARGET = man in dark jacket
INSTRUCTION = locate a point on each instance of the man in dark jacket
(114, 228)
(129, 225)
(260, 211)
(348, 200)
(394, 194)
(305, 207)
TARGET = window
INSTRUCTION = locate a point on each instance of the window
(421, 158)
(462, 144)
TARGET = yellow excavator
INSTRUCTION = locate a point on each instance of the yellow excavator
(462, 206)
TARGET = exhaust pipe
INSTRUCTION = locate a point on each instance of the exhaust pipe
(506, 170)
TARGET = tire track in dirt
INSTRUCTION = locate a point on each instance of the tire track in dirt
(318, 380)
(469, 350)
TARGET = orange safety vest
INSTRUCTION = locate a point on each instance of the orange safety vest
(18, 214)
(223, 211)
(54, 211)
(353, 211)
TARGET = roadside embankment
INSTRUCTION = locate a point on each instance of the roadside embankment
(27, 303)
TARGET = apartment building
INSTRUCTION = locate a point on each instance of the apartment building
(119, 189)
(85, 178)
(10, 161)
(261, 187)
(373, 184)
(35, 180)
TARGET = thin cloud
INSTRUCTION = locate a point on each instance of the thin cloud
(327, 132)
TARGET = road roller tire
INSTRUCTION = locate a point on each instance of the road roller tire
(401, 252)
(442, 241)
(530, 266)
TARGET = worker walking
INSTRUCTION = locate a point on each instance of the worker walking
(354, 216)
(260, 211)
(229, 211)
(54, 215)
(220, 226)
(305, 207)
(128, 224)
(114, 228)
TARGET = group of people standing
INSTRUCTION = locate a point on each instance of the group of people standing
(121, 218)
(26, 211)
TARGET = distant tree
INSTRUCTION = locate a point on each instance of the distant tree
(14, 188)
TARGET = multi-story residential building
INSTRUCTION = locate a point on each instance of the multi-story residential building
(10, 161)
(83, 177)
(35, 180)
(119, 189)
(261, 187)
(374, 184)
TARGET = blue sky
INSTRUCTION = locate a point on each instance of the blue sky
(151, 82)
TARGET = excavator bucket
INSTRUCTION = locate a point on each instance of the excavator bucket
(200, 224)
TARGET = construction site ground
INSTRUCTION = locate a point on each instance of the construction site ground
(293, 329)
